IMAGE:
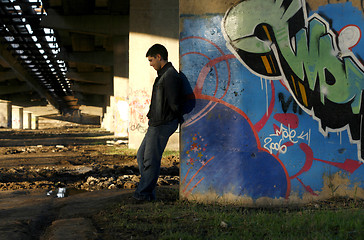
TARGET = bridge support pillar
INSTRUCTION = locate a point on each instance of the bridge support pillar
(146, 19)
(35, 122)
(17, 117)
(119, 103)
(5, 114)
(27, 120)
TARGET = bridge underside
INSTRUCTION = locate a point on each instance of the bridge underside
(61, 54)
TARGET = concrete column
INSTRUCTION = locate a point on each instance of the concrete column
(27, 120)
(5, 114)
(146, 19)
(35, 122)
(108, 119)
(121, 85)
(17, 117)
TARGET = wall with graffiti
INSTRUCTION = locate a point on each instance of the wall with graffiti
(278, 110)
(139, 101)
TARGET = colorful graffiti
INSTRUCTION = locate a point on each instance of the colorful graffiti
(139, 102)
(253, 131)
(317, 65)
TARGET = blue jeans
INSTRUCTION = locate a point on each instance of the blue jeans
(149, 158)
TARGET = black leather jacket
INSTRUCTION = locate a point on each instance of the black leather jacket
(166, 99)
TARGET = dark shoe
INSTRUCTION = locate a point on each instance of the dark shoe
(136, 200)
(142, 199)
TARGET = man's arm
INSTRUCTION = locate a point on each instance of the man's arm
(173, 88)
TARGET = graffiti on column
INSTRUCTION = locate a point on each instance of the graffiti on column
(291, 114)
(276, 40)
(220, 146)
(139, 102)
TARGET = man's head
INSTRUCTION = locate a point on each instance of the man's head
(157, 56)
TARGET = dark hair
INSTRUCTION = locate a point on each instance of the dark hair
(157, 49)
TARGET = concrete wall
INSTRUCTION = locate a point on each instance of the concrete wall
(108, 121)
(115, 118)
(151, 21)
(27, 120)
(121, 85)
(5, 114)
(278, 115)
(17, 117)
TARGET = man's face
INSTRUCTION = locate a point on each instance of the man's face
(155, 62)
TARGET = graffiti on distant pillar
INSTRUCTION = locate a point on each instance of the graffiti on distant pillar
(275, 39)
(139, 105)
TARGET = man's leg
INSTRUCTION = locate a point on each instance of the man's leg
(154, 144)
(140, 155)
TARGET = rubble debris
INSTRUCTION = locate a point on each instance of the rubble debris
(82, 167)
(116, 142)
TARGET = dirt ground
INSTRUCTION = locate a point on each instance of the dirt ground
(96, 169)
(78, 157)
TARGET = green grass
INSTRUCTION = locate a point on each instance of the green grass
(120, 150)
(125, 151)
(175, 219)
(168, 153)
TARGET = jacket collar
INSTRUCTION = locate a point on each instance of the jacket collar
(164, 69)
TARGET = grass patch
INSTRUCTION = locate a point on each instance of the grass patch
(96, 142)
(175, 219)
(169, 153)
(123, 150)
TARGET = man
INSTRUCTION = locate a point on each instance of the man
(164, 116)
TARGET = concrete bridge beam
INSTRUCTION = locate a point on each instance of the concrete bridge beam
(90, 24)
(90, 77)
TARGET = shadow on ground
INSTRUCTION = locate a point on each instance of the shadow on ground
(34, 215)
